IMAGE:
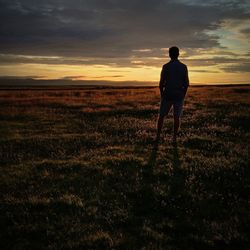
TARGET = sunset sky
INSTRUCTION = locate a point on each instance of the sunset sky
(124, 40)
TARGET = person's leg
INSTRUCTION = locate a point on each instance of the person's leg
(178, 106)
(164, 110)
(176, 126)
(159, 125)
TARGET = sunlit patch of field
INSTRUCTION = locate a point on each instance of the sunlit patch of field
(79, 170)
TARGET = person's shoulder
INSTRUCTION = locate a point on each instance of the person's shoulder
(174, 64)
(182, 64)
(166, 65)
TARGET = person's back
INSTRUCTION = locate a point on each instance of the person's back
(174, 79)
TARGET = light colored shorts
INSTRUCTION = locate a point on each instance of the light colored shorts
(167, 104)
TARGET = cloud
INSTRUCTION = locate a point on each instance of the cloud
(204, 71)
(72, 77)
(109, 28)
(106, 76)
(13, 77)
(246, 32)
(93, 77)
(242, 67)
(215, 59)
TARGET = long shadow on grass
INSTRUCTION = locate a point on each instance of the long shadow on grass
(144, 204)
(163, 219)
(153, 213)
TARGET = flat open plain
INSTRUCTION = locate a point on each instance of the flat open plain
(79, 170)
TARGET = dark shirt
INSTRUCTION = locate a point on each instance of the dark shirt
(174, 80)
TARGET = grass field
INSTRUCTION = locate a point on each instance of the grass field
(79, 170)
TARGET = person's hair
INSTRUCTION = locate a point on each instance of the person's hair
(174, 52)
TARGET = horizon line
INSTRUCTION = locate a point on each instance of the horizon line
(13, 80)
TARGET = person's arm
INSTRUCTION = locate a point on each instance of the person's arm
(186, 81)
(162, 82)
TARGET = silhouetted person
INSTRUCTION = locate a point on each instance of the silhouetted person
(173, 85)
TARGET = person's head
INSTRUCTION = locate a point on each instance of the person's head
(174, 52)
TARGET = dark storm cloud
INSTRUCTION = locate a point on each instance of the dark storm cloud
(110, 29)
